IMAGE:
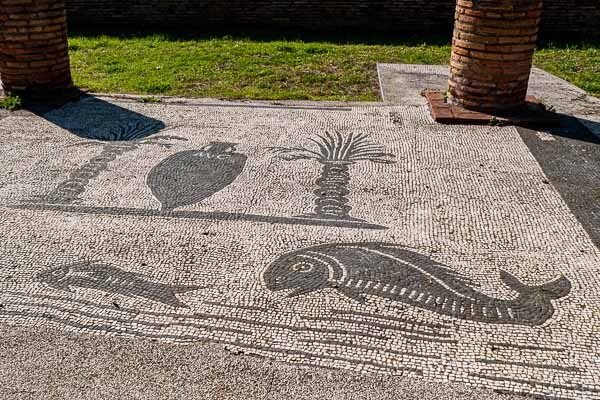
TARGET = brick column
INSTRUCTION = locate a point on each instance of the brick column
(34, 58)
(492, 52)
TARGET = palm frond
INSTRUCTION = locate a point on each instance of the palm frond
(132, 131)
(295, 153)
(338, 148)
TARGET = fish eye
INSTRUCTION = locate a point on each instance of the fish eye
(302, 267)
(58, 272)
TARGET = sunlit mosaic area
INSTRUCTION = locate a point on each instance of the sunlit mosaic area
(365, 238)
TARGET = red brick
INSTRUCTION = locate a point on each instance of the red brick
(492, 52)
(33, 49)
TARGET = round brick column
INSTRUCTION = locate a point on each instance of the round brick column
(34, 57)
(492, 51)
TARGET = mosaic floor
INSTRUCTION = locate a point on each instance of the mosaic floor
(365, 238)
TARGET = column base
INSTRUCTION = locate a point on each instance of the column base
(52, 98)
(532, 114)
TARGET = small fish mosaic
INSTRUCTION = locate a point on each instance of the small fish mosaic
(113, 280)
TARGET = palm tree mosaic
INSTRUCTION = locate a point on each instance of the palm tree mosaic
(336, 153)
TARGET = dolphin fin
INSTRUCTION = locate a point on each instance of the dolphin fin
(512, 282)
(169, 299)
(556, 289)
(351, 294)
(301, 291)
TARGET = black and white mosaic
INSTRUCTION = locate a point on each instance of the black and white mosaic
(336, 153)
(69, 191)
(392, 272)
(190, 176)
(113, 280)
(433, 251)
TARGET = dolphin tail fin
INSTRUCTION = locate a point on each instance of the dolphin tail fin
(172, 301)
(170, 297)
(555, 289)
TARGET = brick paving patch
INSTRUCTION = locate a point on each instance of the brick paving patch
(533, 114)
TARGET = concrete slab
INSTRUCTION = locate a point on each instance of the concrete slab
(532, 114)
(403, 83)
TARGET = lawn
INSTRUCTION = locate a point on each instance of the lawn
(271, 66)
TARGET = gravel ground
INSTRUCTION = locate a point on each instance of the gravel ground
(51, 364)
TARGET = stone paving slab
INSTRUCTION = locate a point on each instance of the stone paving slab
(403, 83)
(365, 238)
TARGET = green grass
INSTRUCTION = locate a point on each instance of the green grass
(259, 66)
(11, 102)
(576, 62)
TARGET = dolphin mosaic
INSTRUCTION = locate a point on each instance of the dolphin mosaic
(99, 276)
(392, 272)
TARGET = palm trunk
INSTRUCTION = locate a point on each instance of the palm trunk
(332, 190)
(69, 191)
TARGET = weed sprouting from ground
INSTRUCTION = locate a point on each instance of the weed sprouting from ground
(11, 102)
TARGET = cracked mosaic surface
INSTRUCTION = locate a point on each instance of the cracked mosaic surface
(143, 247)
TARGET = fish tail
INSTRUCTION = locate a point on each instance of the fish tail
(555, 289)
(183, 289)
(175, 302)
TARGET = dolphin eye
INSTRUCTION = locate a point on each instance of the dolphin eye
(58, 272)
(302, 267)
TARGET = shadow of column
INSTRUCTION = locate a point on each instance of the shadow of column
(96, 119)
(113, 129)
